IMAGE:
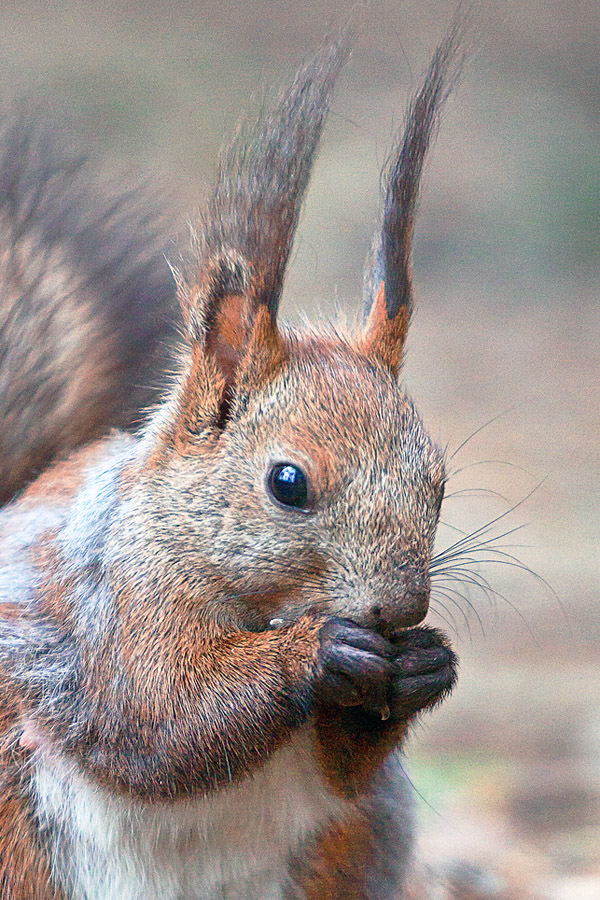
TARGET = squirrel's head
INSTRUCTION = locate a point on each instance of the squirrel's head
(292, 467)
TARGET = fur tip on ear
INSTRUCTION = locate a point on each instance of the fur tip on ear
(384, 337)
(227, 274)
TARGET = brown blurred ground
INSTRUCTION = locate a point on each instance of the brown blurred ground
(507, 269)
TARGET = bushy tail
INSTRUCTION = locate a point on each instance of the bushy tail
(87, 307)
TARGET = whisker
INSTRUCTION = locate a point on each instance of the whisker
(489, 462)
(467, 576)
(484, 529)
(458, 563)
(452, 527)
(424, 799)
(455, 550)
(517, 564)
(465, 617)
(489, 594)
(446, 588)
(475, 492)
(442, 592)
(450, 621)
(485, 425)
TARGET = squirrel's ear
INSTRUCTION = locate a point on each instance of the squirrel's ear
(388, 282)
(242, 244)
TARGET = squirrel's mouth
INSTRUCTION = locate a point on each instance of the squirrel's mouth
(393, 633)
(388, 631)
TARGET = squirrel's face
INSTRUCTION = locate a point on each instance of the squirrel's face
(323, 491)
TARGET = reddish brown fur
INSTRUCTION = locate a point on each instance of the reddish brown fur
(55, 589)
(24, 866)
(59, 485)
(352, 745)
(183, 671)
(336, 866)
(384, 338)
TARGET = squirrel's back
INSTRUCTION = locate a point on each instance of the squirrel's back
(87, 307)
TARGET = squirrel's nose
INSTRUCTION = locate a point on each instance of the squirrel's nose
(407, 608)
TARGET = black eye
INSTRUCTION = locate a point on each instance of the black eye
(288, 484)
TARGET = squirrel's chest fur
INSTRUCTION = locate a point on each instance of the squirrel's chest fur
(233, 844)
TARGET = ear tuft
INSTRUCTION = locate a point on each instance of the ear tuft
(226, 275)
(267, 353)
(384, 336)
(388, 279)
(235, 348)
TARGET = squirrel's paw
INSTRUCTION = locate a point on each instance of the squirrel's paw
(425, 671)
(357, 667)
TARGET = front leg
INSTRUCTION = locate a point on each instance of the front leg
(163, 717)
(371, 692)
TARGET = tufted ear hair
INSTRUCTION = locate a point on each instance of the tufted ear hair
(240, 247)
(262, 179)
(388, 282)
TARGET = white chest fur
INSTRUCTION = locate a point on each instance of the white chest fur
(232, 846)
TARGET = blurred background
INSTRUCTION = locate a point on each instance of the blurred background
(506, 331)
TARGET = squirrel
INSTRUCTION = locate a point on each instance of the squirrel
(210, 640)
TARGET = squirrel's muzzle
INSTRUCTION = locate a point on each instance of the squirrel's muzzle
(404, 605)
